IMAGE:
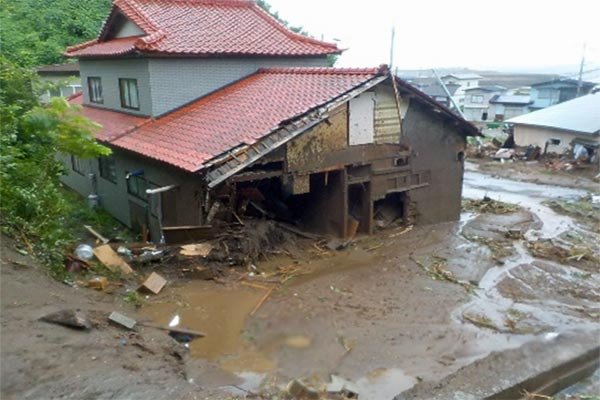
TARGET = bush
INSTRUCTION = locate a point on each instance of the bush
(33, 205)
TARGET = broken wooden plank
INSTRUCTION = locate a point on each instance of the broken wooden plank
(122, 320)
(262, 300)
(111, 260)
(96, 234)
(154, 283)
(198, 249)
(298, 232)
(173, 329)
(183, 234)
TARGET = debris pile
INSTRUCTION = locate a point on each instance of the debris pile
(256, 239)
(488, 205)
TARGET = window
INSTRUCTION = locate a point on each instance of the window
(108, 168)
(129, 94)
(136, 186)
(484, 116)
(95, 89)
(76, 165)
(544, 93)
(476, 98)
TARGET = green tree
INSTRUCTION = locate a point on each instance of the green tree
(35, 32)
(33, 205)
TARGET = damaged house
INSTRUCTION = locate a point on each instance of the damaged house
(214, 111)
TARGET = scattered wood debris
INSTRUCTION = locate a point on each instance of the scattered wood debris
(98, 236)
(195, 250)
(488, 205)
(154, 283)
(437, 270)
(98, 283)
(111, 260)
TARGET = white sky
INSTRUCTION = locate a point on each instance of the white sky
(502, 35)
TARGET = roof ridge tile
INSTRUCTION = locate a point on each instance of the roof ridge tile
(320, 70)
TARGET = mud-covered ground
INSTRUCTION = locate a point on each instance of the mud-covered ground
(390, 311)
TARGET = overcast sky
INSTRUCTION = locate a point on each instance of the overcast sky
(501, 34)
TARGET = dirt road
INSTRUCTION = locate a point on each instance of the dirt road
(392, 310)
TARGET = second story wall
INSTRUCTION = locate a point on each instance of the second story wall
(175, 82)
(165, 84)
(110, 71)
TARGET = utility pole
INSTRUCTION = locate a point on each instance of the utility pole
(392, 47)
(448, 94)
(580, 82)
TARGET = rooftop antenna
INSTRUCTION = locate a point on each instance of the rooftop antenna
(392, 47)
(580, 81)
(448, 94)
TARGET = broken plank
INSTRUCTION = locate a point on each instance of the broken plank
(96, 234)
(298, 232)
(173, 329)
(260, 303)
(111, 260)
(154, 283)
(198, 249)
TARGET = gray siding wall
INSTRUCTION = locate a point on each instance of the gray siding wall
(110, 71)
(175, 82)
(114, 196)
(436, 145)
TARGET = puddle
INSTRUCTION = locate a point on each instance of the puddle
(221, 313)
(383, 384)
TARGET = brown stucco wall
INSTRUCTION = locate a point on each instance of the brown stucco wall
(436, 145)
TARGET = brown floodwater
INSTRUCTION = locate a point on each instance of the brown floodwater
(221, 313)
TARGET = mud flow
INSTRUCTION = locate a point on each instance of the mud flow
(396, 308)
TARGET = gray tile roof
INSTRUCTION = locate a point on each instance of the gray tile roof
(580, 115)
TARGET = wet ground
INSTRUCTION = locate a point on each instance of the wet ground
(392, 310)
(374, 316)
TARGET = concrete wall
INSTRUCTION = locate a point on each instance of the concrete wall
(538, 136)
(175, 82)
(436, 146)
(110, 71)
(116, 200)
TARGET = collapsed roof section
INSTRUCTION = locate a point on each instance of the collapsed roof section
(199, 28)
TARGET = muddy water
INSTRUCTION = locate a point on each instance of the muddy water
(388, 314)
(221, 313)
(528, 195)
(547, 314)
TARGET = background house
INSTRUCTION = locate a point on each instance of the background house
(437, 92)
(463, 80)
(477, 102)
(548, 93)
(561, 125)
(506, 106)
(64, 77)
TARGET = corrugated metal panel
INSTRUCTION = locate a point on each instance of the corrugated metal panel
(387, 121)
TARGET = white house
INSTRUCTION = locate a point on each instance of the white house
(477, 101)
(464, 81)
(506, 106)
(560, 125)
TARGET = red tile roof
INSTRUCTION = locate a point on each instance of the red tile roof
(113, 123)
(238, 114)
(202, 27)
